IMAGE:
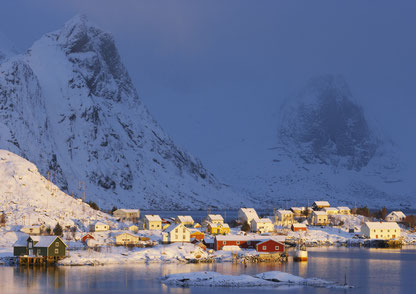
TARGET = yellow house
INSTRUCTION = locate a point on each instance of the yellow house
(197, 226)
(152, 222)
(218, 229)
(134, 228)
(127, 239)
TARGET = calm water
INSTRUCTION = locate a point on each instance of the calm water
(370, 270)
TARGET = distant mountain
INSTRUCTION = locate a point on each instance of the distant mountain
(69, 106)
(326, 149)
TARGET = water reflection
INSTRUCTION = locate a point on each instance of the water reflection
(372, 271)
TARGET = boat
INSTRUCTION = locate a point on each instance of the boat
(300, 254)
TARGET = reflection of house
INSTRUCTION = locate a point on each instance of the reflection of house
(270, 246)
(319, 218)
(215, 219)
(99, 227)
(127, 214)
(330, 210)
(247, 215)
(380, 230)
(186, 220)
(318, 205)
(218, 229)
(152, 222)
(299, 228)
(44, 246)
(344, 210)
(395, 216)
(284, 217)
(127, 239)
(176, 233)
(262, 225)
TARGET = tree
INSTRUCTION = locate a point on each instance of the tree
(113, 209)
(73, 232)
(93, 205)
(363, 211)
(2, 219)
(381, 214)
(57, 231)
(410, 221)
(48, 230)
(245, 227)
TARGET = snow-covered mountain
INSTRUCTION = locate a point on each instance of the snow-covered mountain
(327, 149)
(69, 106)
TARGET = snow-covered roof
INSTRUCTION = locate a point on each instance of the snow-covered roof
(219, 225)
(320, 212)
(195, 231)
(321, 203)
(173, 227)
(250, 212)
(262, 220)
(248, 238)
(284, 211)
(100, 224)
(21, 241)
(185, 218)
(153, 218)
(127, 233)
(329, 209)
(343, 208)
(129, 210)
(296, 208)
(215, 217)
(46, 241)
(382, 225)
(397, 213)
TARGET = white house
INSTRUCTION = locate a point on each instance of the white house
(380, 230)
(247, 215)
(284, 217)
(33, 230)
(176, 233)
(395, 216)
(99, 227)
(261, 225)
(344, 210)
(187, 220)
(215, 219)
(319, 218)
(152, 222)
(330, 210)
(318, 205)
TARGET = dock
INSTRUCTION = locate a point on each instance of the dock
(37, 260)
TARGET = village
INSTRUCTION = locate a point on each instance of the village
(133, 237)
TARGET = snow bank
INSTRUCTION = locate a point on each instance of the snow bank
(266, 279)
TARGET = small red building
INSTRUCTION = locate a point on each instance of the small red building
(298, 227)
(270, 246)
(86, 237)
(244, 242)
(197, 235)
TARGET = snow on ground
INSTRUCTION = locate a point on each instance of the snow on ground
(266, 279)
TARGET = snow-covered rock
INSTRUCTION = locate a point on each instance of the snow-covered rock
(69, 106)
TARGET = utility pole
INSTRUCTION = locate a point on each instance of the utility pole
(79, 189)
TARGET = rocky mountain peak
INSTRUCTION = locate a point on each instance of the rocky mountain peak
(327, 126)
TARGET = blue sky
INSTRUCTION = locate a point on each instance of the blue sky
(214, 73)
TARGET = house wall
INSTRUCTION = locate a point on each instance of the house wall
(382, 234)
(180, 234)
(153, 225)
(270, 246)
(19, 250)
(51, 249)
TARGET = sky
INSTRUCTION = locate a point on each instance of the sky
(215, 73)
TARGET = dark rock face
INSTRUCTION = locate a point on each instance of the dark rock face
(326, 126)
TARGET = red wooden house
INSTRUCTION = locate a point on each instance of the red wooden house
(298, 227)
(244, 242)
(198, 235)
(270, 246)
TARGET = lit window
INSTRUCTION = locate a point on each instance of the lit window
(277, 248)
(183, 237)
(264, 247)
(56, 244)
(56, 251)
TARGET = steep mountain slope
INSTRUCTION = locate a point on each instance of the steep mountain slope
(69, 106)
(327, 149)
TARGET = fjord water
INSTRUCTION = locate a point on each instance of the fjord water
(369, 270)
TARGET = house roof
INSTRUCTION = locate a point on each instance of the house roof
(296, 208)
(329, 209)
(299, 225)
(128, 210)
(21, 241)
(321, 203)
(215, 217)
(258, 244)
(46, 241)
(249, 238)
(193, 231)
(100, 224)
(382, 225)
(249, 212)
(343, 208)
(320, 212)
(284, 211)
(262, 220)
(173, 227)
(153, 218)
(127, 233)
(185, 218)
(397, 213)
(219, 225)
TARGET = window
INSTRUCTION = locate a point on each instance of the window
(176, 237)
(56, 251)
(183, 237)
(276, 248)
(184, 230)
(224, 242)
(264, 247)
(238, 242)
(56, 244)
(176, 231)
